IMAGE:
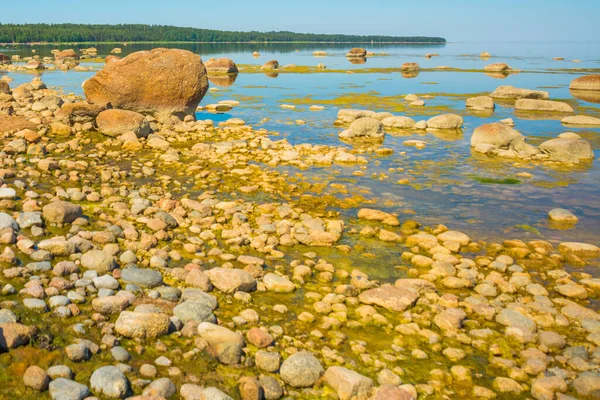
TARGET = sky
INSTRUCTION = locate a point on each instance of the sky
(455, 20)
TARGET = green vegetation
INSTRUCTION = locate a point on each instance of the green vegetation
(497, 181)
(63, 33)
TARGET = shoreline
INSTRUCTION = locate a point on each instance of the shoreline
(185, 42)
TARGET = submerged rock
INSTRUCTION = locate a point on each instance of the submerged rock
(511, 92)
(389, 297)
(480, 103)
(542, 105)
(581, 120)
(571, 151)
(159, 81)
(347, 383)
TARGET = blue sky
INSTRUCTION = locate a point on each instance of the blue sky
(456, 20)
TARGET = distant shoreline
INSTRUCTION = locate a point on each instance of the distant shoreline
(184, 42)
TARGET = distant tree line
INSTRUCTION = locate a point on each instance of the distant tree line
(69, 33)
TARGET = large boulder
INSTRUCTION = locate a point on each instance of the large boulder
(69, 53)
(410, 66)
(542, 105)
(134, 324)
(116, 122)
(500, 139)
(159, 81)
(572, 151)
(586, 82)
(364, 128)
(4, 88)
(224, 344)
(399, 122)
(270, 65)
(497, 67)
(480, 103)
(445, 121)
(511, 92)
(13, 335)
(357, 52)
(301, 370)
(585, 120)
(221, 66)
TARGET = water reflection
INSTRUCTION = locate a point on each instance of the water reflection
(586, 95)
(357, 60)
(410, 74)
(222, 80)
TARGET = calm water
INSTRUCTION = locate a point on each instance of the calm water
(446, 179)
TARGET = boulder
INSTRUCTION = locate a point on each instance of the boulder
(69, 53)
(80, 111)
(562, 216)
(110, 382)
(497, 67)
(586, 82)
(220, 66)
(480, 103)
(347, 116)
(135, 324)
(370, 214)
(587, 384)
(580, 120)
(571, 151)
(497, 135)
(278, 284)
(270, 65)
(8, 222)
(36, 378)
(364, 128)
(67, 389)
(231, 280)
(197, 311)
(99, 261)
(357, 52)
(580, 249)
(61, 212)
(445, 121)
(410, 67)
(301, 370)
(160, 81)
(542, 105)
(398, 122)
(34, 65)
(511, 92)
(4, 88)
(347, 383)
(4, 59)
(143, 277)
(13, 335)
(389, 297)
(116, 122)
(224, 344)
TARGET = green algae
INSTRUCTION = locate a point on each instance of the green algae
(497, 181)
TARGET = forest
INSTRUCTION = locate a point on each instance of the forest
(73, 33)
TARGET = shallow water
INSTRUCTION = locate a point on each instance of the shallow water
(447, 183)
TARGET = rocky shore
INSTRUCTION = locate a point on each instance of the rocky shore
(118, 283)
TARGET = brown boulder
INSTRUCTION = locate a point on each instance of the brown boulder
(410, 66)
(497, 67)
(273, 64)
(81, 111)
(115, 122)
(221, 66)
(69, 53)
(357, 52)
(4, 59)
(13, 335)
(159, 81)
(4, 88)
(14, 123)
(110, 59)
(34, 65)
(586, 82)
